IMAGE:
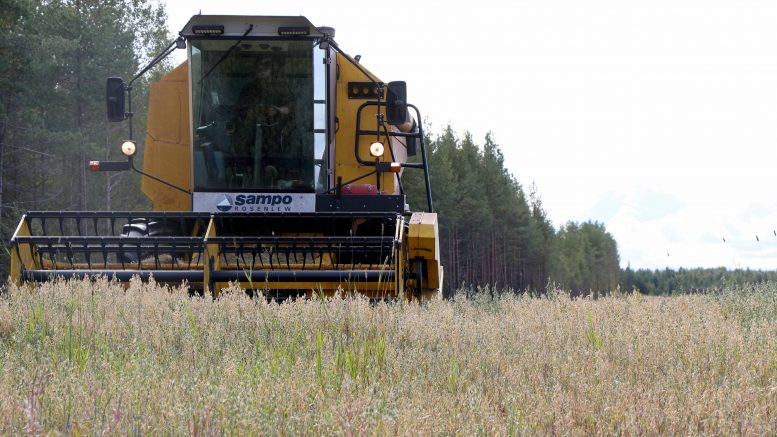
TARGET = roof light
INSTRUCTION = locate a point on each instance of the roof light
(128, 148)
(294, 31)
(208, 29)
(376, 149)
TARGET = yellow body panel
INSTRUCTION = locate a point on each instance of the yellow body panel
(168, 152)
(423, 242)
(346, 165)
(168, 155)
(21, 255)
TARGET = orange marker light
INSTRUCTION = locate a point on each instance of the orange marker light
(94, 165)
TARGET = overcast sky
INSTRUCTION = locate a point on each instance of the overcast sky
(657, 118)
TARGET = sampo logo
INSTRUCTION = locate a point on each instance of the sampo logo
(262, 199)
(225, 204)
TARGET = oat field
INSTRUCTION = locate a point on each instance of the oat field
(80, 358)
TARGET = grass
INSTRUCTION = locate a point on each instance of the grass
(91, 358)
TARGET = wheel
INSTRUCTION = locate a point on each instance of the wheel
(419, 277)
(143, 228)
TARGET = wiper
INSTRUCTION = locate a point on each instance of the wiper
(226, 54)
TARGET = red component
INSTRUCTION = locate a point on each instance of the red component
(359, 189)
(94, 165)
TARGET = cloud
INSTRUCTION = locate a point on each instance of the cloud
(658, 229)
(607, 207)
(653, 205)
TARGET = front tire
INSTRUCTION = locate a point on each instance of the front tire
(143, 229)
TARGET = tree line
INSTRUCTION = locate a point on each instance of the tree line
(492, 233)
(683, 281)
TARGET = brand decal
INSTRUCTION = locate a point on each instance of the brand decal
(254, 202)
(263, 199)
(225, 205)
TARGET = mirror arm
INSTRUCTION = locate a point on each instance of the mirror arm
(161, 181)
(129, 113)
(128, 86)
(158, 58)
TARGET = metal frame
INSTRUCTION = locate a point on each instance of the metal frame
(219, 248)
(424, 165)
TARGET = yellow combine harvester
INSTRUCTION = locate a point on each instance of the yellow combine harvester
(272, 159)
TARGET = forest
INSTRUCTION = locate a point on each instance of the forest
(57, 54)
(495, 234)
(684, 281)
(56, 57)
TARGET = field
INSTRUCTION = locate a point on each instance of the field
(91, 358)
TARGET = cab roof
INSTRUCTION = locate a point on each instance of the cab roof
(236, 25)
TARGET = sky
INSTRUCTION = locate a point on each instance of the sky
(655, 118)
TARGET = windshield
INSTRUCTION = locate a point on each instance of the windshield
(255, 109)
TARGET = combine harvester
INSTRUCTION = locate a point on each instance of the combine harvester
(273, 160)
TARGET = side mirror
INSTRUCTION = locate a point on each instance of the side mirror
(115, 99)
(396, 103)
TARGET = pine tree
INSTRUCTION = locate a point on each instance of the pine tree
(56, 56)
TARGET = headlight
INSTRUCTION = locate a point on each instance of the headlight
(128, 148)
(376, 149)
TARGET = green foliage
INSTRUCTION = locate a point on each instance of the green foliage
(587, 258)
(56, 56)
(593, 335)
(491, 233)
(682, 281)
